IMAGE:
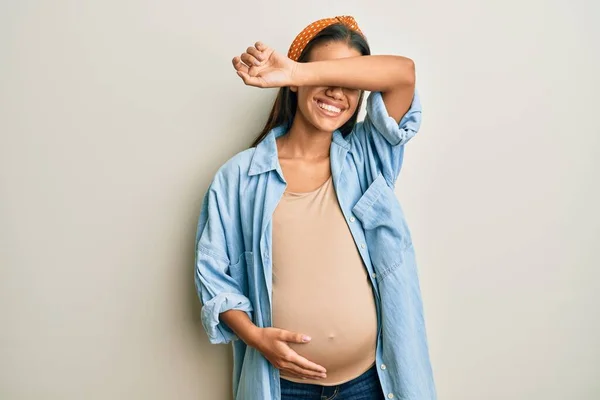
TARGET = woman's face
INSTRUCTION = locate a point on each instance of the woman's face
(324, 107)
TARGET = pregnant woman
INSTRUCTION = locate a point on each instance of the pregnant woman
(304, 260)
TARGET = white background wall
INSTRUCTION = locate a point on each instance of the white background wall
(114, 115)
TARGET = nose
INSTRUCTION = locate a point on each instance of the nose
(335, 92)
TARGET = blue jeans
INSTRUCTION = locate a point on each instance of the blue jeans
(363, 387)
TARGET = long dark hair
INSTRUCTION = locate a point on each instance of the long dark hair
(286, 102)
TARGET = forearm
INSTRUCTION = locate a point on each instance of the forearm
(241, 325)
(372, 73)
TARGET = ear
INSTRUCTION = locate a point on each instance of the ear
(294, 89)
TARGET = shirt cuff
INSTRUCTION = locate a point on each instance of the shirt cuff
(218, 332)
(394, 133)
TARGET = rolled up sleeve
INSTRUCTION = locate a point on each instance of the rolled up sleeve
(395, 133)
(217, 331)
(380, 141)
(217, 289)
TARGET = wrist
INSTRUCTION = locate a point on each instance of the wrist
(252, 336)
(298, 75)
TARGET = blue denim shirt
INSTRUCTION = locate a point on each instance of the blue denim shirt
(234, 250)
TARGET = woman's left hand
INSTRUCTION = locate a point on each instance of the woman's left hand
(263, 67)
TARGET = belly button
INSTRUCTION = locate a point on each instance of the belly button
(331, 336)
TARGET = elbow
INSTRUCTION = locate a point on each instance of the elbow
(408, 75)
(402, 76)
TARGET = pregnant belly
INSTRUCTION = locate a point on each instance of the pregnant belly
(344, 335)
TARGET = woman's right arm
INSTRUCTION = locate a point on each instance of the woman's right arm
(242, 326)
(226, 309)
(272, 343)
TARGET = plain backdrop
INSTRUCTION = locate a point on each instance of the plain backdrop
(114, 116)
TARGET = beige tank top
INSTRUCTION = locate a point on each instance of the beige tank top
(321, 287)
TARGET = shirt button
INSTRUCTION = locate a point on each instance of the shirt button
(352, 219)
(383, 366)
(390, 395)
(374, 275)
(363, 246)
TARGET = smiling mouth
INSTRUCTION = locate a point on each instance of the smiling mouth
(331, 110)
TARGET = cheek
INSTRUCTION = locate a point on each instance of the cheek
(304, 96)
(305, 99)
(306, 92)
(353, 101)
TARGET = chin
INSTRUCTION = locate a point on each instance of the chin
(328, 124)
(327, 127)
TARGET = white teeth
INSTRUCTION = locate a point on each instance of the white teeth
(328, 107)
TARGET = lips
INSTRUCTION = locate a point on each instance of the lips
(328, 108)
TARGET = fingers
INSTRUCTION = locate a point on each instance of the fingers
(299, 366)
(244, 72)
(285, 372)
(260, 46)
(304, 373)
(242, 64)
(294, 337)
(251, 64)
(239, 65)
(254, 55)
(254, 52)
(307, 365)
(297, 359)
(251, 80)
(293, 363)
(249, 60)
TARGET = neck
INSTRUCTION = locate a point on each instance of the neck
(303, 140)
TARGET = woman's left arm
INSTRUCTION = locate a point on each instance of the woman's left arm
(393, 76)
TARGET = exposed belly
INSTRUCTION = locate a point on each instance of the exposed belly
(343, 329)
(321, 287)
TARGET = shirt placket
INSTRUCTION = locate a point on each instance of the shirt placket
(360, 241)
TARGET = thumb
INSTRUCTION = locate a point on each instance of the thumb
(245, 77)
(295, 337)
(250, 80)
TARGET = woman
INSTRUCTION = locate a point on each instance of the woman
(303, 257)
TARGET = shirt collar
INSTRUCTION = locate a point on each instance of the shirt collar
(265, 156)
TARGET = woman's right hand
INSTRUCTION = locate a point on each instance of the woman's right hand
(273, 344)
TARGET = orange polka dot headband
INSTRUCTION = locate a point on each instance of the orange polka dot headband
(313, 29)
